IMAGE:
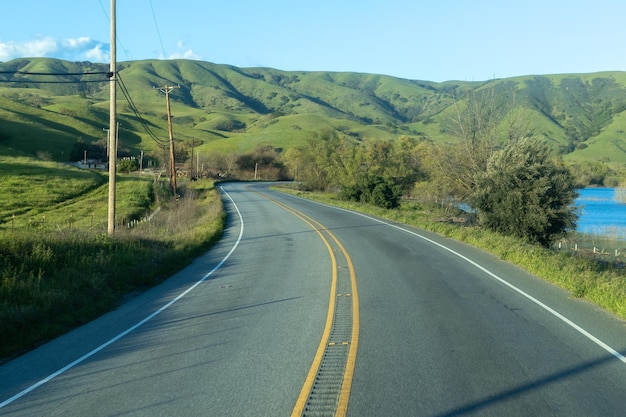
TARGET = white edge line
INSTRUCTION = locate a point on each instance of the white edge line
(555, 313)
(137, 325)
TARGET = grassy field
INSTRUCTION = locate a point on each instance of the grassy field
(59, 268)
(51, 196)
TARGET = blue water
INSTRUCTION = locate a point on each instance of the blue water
(600, 213)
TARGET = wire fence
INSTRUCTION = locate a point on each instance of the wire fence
(69, 223)
(603, 248)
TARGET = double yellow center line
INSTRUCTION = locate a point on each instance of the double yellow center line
(325, 343)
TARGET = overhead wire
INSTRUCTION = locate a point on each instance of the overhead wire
(123, 88)
(157, 29)
(61, 74)
(106, 14)
(52, 82)
(120, 83)
(143, 122)
(118, 79)
(54, 74)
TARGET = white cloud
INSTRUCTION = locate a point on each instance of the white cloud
(183, 53)
(33, 48)
(75, 43)
(73, 49)
(97, 54)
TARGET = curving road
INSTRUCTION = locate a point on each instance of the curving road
(443, 329)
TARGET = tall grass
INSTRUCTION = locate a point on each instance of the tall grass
(53, 279)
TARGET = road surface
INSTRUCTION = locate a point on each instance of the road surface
(305, 309)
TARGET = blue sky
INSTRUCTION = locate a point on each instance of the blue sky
(436, 40)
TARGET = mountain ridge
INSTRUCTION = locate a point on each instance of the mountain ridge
(233, 109)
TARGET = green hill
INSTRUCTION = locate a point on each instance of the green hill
(42, 109)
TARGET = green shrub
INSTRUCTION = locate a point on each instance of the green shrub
(375, 190)
(526, 193)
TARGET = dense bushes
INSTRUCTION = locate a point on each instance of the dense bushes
(375, 172)
(509, 176)
(375, 190)
(525, 193)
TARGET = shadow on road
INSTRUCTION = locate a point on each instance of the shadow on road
(508, 394)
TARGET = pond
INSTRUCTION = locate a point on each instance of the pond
(601, 213)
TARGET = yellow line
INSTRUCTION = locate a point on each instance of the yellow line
(346, 385)
(319, 355)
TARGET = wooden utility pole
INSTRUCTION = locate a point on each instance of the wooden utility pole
(112, 124)
(193, 142)
(167, 90)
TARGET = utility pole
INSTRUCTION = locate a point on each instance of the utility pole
(167, 90)
(112, 124)
(193, 142)
(107, 142)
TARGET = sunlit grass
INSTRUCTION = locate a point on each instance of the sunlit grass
(29, 187)
(55, 274)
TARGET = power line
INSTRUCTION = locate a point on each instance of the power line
(52, 82)
(54, 74)
(121, 84)
(157, 29)
(106, 14)
(156, 25)
(60, 74)
(142, 121)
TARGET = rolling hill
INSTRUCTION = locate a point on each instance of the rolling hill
(47, 105)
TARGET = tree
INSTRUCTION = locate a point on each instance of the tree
(479, 122)
(329, 160)
(316, 161)
(267, 159)
(526, 193)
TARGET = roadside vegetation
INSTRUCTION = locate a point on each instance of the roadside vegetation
(58, 267)
(584, 276)
(498, 187)
(495, 164)
(517, 187)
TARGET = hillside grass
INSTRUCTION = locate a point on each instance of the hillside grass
(51, 196)
(608, 145)
(603, 283)
(30, 187)
(59, 268)
(283, 108)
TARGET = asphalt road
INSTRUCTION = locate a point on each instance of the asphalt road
(444, 330)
